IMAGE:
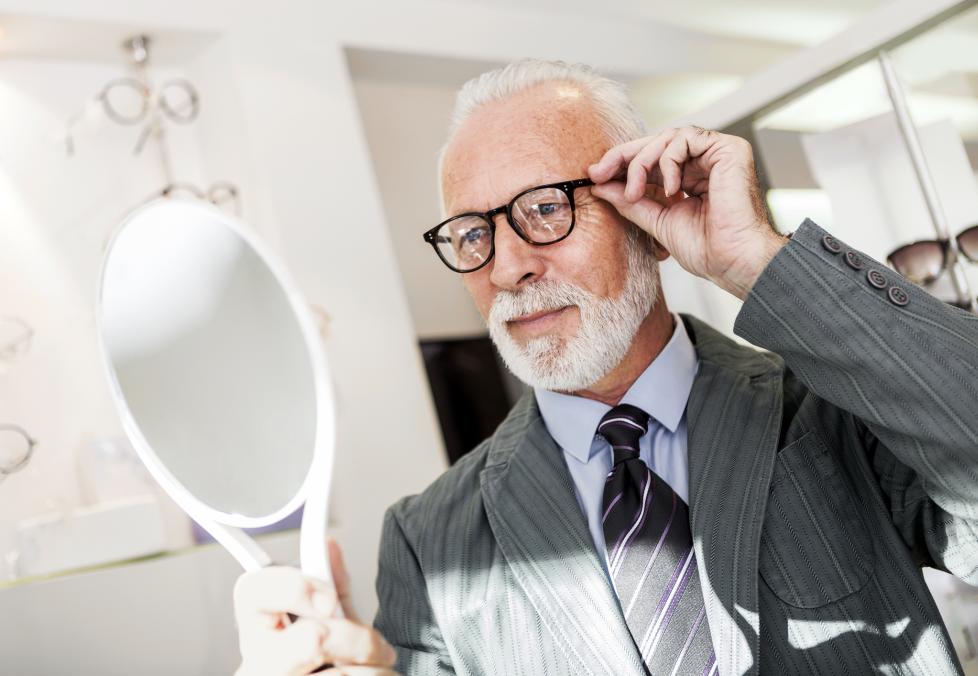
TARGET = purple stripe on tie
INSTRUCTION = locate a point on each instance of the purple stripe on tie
(711, 665)
(666, 596)
(689, 640)
(627, 421)
(655, 553)
(611, 554)
(667, 616)
(636, 527)
(612, 504)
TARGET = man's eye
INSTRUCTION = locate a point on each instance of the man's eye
(547, 209)
(473, 236)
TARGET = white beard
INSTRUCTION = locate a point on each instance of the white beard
(607, 327)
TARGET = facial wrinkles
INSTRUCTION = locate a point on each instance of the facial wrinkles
(607, 327)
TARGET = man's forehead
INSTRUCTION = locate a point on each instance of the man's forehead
(517, 143)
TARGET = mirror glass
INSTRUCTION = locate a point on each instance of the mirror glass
(209, 358)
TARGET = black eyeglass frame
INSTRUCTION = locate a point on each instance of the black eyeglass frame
(567, 187)
(945, 246)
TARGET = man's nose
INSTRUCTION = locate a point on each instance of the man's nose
(515, 261)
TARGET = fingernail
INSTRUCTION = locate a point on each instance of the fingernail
(391, 654)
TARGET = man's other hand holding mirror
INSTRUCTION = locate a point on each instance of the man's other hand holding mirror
(288, 625)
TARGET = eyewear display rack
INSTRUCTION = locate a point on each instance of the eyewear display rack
(871, 38)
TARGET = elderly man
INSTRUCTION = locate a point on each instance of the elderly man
(665, 500)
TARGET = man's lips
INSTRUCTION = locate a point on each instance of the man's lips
(536, 318)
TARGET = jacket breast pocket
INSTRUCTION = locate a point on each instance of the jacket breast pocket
(815, 548)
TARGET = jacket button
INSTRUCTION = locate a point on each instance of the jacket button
(854, 260)
(876, 279)
(831, 244)
(898, 296)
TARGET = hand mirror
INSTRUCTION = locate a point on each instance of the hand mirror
(218, 374)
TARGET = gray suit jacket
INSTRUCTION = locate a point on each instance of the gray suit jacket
(823, 475)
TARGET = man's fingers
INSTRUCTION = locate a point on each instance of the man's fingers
(671, 163)
(615, 160)
(350, 642)
(644, 213)
(278, 589)
(341, 578)
(636, 161)
(645, 167)
(298, 649)
(658, 159)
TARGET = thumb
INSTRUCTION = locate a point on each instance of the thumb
(646, 212)
(341, 579)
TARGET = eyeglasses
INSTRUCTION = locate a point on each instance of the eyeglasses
(963, 304)
(540, 216)
(923, 262)
(130, 101)
(16, 448)
(221, 194)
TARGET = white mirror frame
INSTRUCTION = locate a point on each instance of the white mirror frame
(314, 492)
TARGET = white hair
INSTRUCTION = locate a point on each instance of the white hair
(605, 334)
(619, 117)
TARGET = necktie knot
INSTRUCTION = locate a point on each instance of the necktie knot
(623, 426)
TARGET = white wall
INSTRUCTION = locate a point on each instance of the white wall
(56, 214)
(279, 118)
(405, 125)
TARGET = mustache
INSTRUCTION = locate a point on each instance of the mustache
(542, 296)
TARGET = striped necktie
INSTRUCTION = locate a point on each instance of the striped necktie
(650, 556)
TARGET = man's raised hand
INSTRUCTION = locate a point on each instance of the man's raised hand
(708, 212)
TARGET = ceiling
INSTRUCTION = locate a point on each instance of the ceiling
(795, 22)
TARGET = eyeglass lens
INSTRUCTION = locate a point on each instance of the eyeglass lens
(125, 100)
(15, 449)
(179, 101)
(543, 216)
(921, 262)
(968, 243)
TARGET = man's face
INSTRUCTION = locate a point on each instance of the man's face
(547, 134)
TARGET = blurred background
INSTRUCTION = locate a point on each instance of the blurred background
(318, 124)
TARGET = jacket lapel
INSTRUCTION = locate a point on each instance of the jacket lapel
(538, 524)
(734, 423)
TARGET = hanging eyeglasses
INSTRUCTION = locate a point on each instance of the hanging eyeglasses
(15, 338)
(221, 193)
(16, 449)
(132, 101)
(129, 101)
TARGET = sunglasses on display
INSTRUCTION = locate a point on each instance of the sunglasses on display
(963, 304)
(924, 261)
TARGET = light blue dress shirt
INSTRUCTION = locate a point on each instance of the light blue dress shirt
(661, 391)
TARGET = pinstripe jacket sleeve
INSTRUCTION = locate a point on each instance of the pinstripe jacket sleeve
(906, 366)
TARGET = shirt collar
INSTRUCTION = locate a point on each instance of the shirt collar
(661, 391)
